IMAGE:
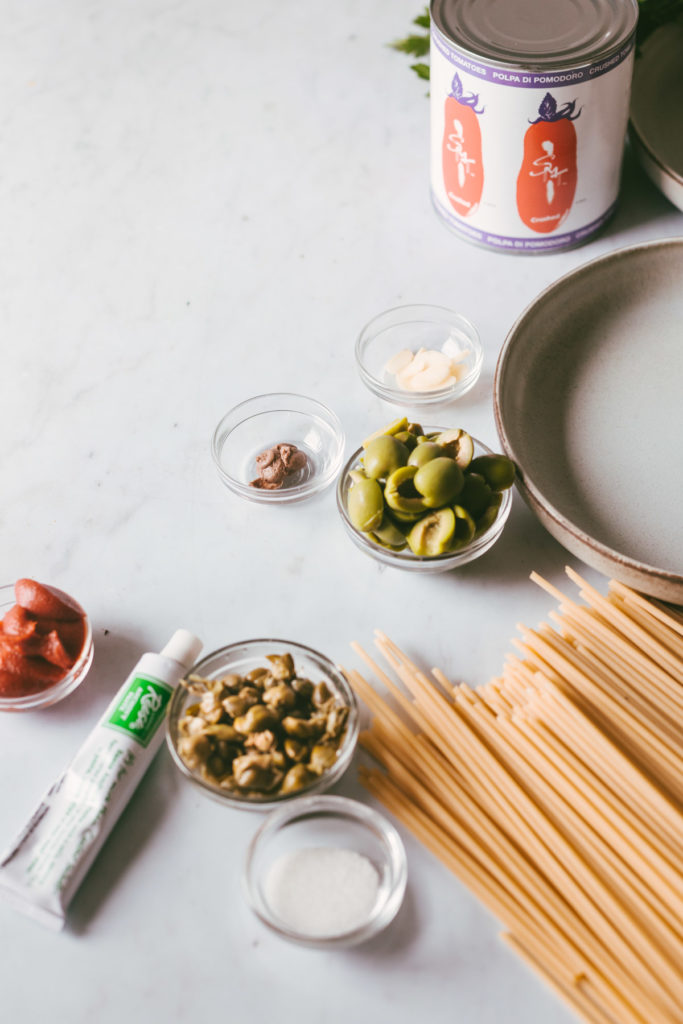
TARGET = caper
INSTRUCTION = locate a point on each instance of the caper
(258, 676)
(303, 688)
(392, 428)
(303, 728)
(296, 778)
(425, 452)
(365, 505)
(464, 528)
(321, 694)
(475, 494)
(280, 697)
(433, 533)
(322, 757)
(336, 721)
(400, 493)
(439, 482)
(382, 456)
(295, 749)
(257, 717)
(282, 666)
(194, 750)
(223, 732)
(458, 444)
(497, 470)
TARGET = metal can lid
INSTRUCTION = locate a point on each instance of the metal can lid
(536, 34)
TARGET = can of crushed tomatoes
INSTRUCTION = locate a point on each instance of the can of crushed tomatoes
(529, 107)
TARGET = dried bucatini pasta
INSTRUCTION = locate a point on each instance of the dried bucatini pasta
(555, 793)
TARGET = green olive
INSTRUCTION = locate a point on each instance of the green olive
(415, 429)
(365, 505)
(388, 535)
(404, 519)
(384, 455)
(400, 493)
(458, 444)
(464, 528)
(406, 438)
(432, 535)
(489, 516)
(425, 452)
(439, 482)
(393, 428)
(497, 470)
(475, 495)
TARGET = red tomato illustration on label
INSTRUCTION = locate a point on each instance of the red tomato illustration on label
(547, 179)
(463, 172)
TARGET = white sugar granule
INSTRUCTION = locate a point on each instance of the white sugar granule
(322, 891)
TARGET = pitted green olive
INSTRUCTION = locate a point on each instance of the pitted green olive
(433, 534)
(425, 452)
(388, 534)
(384, 455)
(489, 516)
(415, 429)
(464, 528)
(475, 495)
(393, 428)
(439, 482)
(400, 493)
(404, 519)
(406, 438)
(365, 505)
(458, 444)
(497, 470)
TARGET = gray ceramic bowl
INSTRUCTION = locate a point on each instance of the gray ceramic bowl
(588, 404)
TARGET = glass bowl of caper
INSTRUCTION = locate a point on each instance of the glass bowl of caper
(263, 721)
(424, 499)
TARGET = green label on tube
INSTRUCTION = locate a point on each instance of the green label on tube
(141, 709)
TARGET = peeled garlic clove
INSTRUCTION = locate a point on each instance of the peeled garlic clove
(399, 361)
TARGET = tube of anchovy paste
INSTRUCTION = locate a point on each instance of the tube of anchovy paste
(43, 868)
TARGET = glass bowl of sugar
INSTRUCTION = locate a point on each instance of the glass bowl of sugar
(325, 872)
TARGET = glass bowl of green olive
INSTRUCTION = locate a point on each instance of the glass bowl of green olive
(424, 499)
(263, 721)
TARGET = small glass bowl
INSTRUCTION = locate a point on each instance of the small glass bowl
(405, 559)
(328, 821)
(240, 658)
(415, 327)
(58, 691)
(262, 422)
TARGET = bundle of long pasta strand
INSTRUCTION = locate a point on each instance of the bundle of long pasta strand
(555, 793)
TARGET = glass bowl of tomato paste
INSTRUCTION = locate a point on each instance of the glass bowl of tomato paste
(419, 356)
(43, 658)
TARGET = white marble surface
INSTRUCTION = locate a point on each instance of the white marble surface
(202, 201)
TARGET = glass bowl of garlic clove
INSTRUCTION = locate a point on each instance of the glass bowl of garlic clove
(419, 355)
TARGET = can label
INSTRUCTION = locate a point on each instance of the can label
(526, 161)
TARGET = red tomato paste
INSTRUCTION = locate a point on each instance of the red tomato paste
(41, 638)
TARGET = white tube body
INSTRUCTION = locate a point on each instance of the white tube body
(44, 866)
